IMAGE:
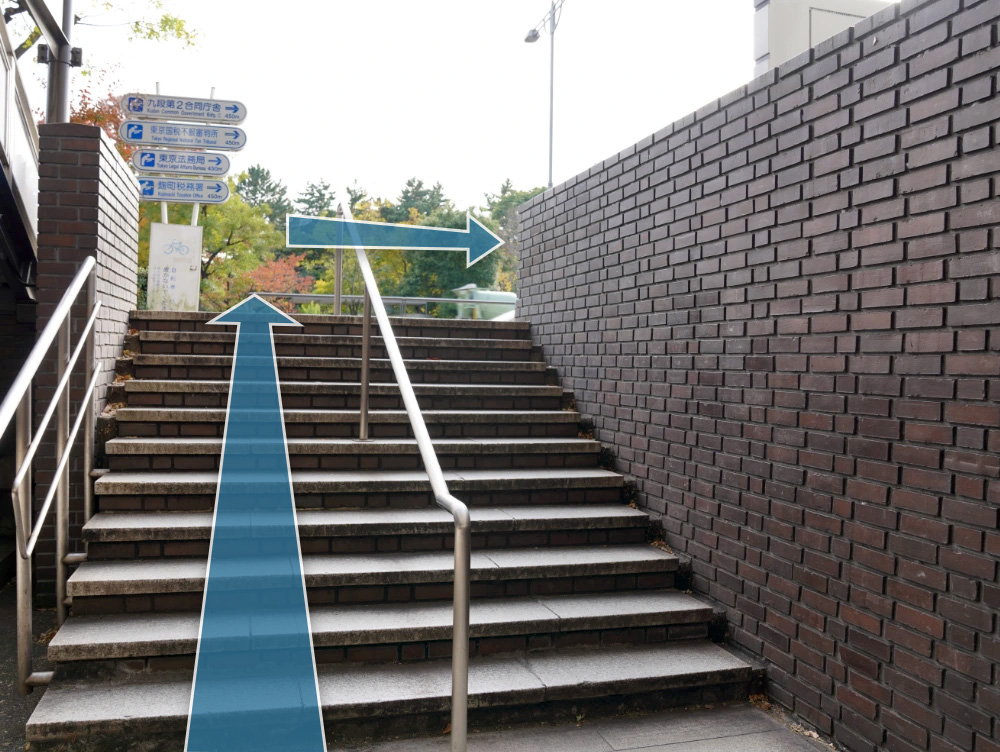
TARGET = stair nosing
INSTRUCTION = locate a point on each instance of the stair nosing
(433, 622)
(494, 681)
(187, 574)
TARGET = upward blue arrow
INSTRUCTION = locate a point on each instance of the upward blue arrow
(255, 678)
(328, 232)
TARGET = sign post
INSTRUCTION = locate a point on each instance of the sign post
(174, 167)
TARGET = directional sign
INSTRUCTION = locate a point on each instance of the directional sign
(224, 137)
(327, 232)
(183, 108)
(181, 162)
(255, 687)
(184, 190)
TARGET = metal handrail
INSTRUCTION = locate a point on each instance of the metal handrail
(401, 300)
(444, 499)
(16, 406)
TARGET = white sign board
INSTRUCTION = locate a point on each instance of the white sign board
(181, 162)
(225, 137)
(183, 108)
(174, 273)
(183, 190)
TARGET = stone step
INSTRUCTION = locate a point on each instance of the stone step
(192, 491)
(408, 696)
(177, 583)
(186, 367)
(210, 421)
(199, 454)
(184, 575)
(337, 395)
(126, 636)
(115, 527)
(402, 326)
(340, 345)
(130, 535)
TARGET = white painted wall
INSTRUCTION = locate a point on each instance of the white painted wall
(784, 28)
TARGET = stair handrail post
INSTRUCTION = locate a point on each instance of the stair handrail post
(366, 339)
(16, 407)
(88, 404)
(459, 511)
(62, 479)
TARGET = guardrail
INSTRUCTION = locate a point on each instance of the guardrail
(17, 406)
(444, 499)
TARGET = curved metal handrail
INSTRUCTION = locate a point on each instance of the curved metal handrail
(443, 497)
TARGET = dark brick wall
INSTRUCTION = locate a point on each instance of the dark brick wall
(88, 206)
(783, 311)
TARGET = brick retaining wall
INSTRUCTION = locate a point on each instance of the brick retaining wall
(88, 206)
(783, 312)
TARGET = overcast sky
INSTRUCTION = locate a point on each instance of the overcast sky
(446, 90)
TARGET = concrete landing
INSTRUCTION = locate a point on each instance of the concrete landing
(739, 727)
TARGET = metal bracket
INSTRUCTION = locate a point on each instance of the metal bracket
(46, 55)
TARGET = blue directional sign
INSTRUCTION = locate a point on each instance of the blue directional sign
(180, 162)
(328, 232)
(225, 137)
(184, 190)
(183, 108)
(255, 687)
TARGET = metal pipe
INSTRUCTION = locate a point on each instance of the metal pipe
(444, 499)
(61, 388)
(40, 678)
(61, 479)
(63, 461)
(22, 382)
(552, 81)
(338, 287)
(366, 336)
(88, 427)
(22, 513)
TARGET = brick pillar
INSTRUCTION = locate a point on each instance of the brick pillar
(88, 206)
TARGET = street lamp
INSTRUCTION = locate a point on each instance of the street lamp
(550, 20)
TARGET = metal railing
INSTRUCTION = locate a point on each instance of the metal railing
(403, 301)
(444, 499)
(17, 406)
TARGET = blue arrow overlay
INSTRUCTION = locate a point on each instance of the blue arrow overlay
(255, 684)
(329, 232)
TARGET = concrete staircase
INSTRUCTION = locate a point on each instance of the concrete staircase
(573, 610)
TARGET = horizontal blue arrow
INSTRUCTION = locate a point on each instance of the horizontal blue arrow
(330, 232)
(233, 108)
(216, 161)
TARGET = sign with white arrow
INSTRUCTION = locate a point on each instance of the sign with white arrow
(180, 162)
(183, 108)
(225, 137)
(184, 190)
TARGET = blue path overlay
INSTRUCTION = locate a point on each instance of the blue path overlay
(328, 232)
(255, 678)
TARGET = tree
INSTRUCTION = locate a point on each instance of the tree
(503, 220)
(259, 189)
(316, 200)
(413, 196)
(238, 238)
(147, 21)
(281, 275)
(95, 106)
(436, 273)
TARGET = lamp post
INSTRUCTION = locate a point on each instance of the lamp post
(550, 20)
